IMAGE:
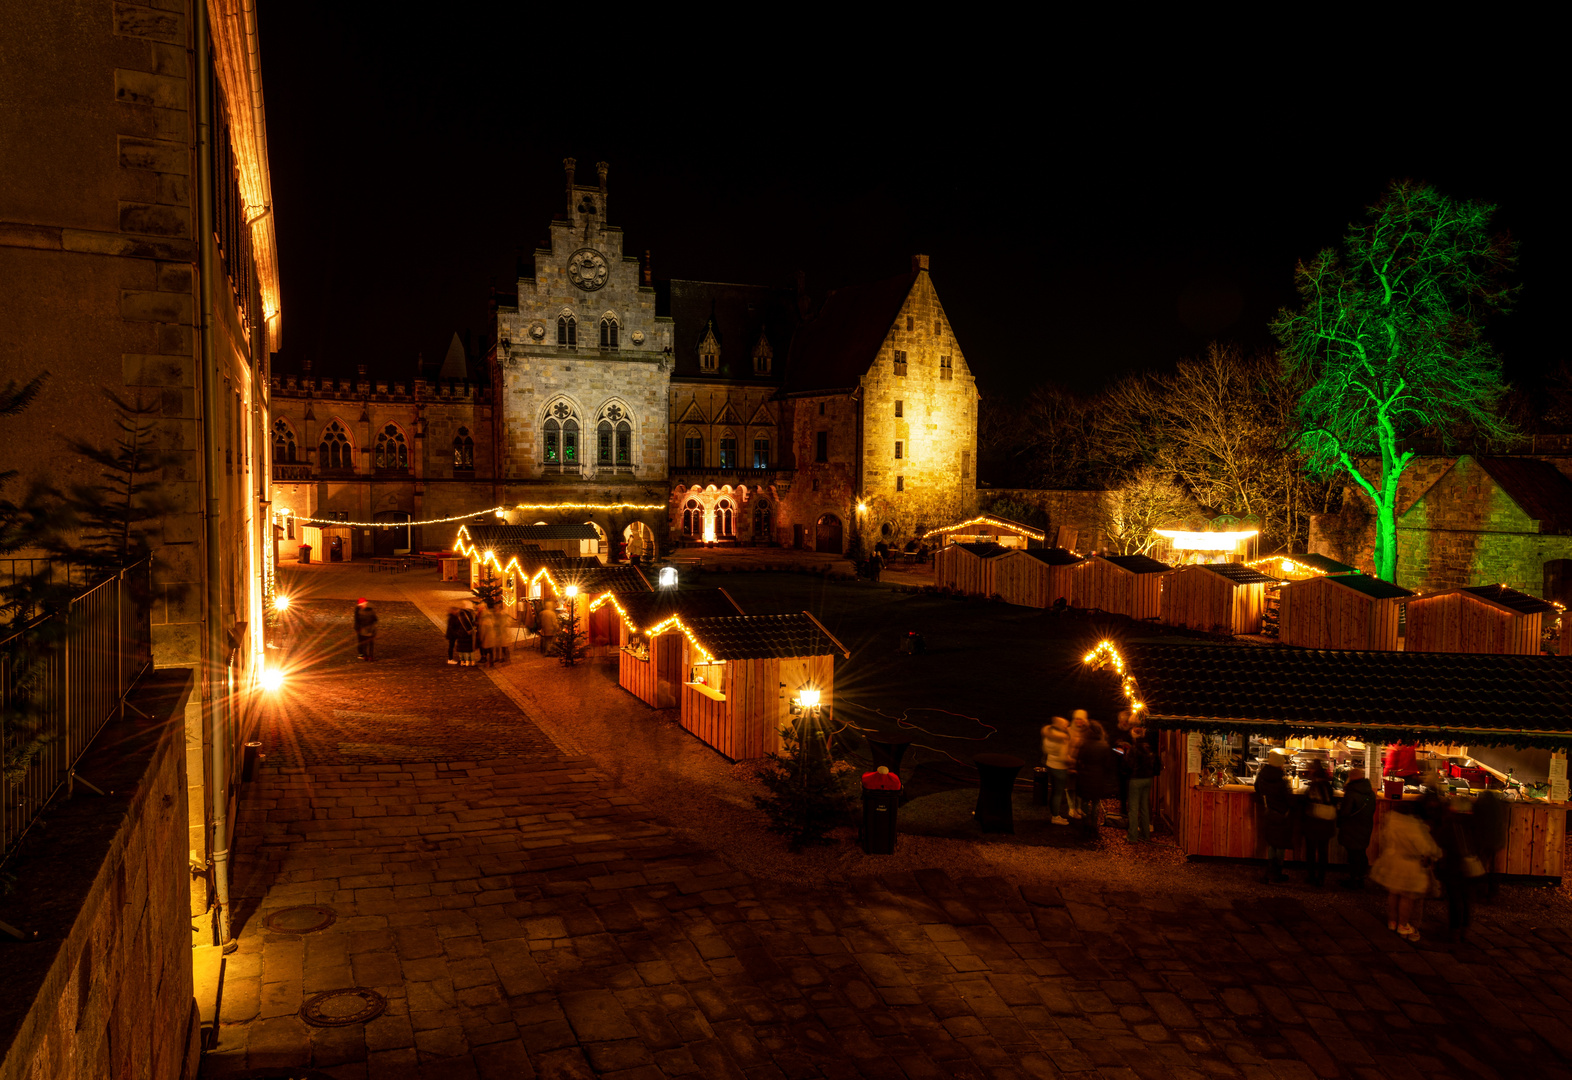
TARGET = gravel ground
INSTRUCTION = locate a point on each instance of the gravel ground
(708, 800)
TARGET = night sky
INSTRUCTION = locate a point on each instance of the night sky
(1075, 236)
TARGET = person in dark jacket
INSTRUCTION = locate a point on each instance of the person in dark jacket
(1491, 821)
(1096, 775)
(1277, 814)
(466, 634)
(1451, 826)
(1140, 766)
(365, 629)
(453, 631)
(1355, 823)
(1320, 822)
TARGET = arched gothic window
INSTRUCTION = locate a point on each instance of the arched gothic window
(728, 450)
(761, 518)
(723, 518)
(567, 330)
(334, 451)
(608, 333)
(392, 452)
(605, 437)
(692, 519)
(693, 448)
(561, 437)
(463, 450)
(283, 443)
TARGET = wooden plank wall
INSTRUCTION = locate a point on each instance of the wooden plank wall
(962, 572)
(1195, 597)
(1102, 585)
(1456, 622)
(670, 671)
(635, 676)
(1021, 579)
(1317, 614)
(758, 697)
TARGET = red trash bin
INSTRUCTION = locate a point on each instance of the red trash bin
(881, 795)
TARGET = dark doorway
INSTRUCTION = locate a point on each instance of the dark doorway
(827, 535)
(1558, 581)
(389, 540)
(336, 549)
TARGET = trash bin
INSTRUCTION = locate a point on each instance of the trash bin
(1040, 786)
(881, 796)
(248, 769)
(995, 791)
(888, 750)
(305, 553)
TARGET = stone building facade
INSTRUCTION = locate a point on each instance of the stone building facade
(1467, 521)
(376, 454)
(727, 413)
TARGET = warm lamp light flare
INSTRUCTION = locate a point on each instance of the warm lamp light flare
(281, 602)
(1184, 540)
(571, 591)
(808, 697)
(272, 679)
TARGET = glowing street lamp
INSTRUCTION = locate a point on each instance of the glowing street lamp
(806, 701)
(571, 591)
(280, 602)
(668, 577)
(272, 679)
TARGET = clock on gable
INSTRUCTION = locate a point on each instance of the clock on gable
(587, 269)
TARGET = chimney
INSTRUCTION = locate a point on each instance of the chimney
(919, 263)
(649, 270)
(568, 164)
(601, 167)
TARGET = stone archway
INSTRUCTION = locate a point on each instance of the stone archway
(827, 535)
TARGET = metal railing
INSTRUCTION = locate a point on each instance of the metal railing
(71, 670)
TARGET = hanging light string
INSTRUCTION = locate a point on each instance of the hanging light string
(1106, 654)
(496, 511)
(668, 623)
(988, 519)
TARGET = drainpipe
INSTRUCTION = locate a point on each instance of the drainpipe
(213, 660)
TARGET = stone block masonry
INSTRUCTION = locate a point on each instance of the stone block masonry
(105, 990)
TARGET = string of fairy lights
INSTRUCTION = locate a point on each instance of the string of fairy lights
(1107, 654)
(495, 511)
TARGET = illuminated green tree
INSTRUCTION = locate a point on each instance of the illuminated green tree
(1390, 342)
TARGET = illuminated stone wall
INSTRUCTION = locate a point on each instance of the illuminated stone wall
(1076, 509)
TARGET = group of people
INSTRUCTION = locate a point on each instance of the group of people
(471, 630)
(1430, 847)
(1083, 769)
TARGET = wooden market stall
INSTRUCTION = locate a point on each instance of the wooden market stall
(1477, 619)
(490, 545)
(1220, 707)
(741, 673)
(985, 529)
(1121, 585)
(964, 568)
(601, 622)
(1300, 567)
(1034, 577)
(1340, 611)
(1226, 598)
(649, 665)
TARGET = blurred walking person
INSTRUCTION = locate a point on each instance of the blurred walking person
(465, 640)
(1355, 822)
(486, 636)
(1096, 776)
(1458, 866)
(1320, 823)
(1078, 724)
(1402, 868)
(365, 629)
(1491, 821)
(1277, 814)
(1056, 759)
(453, 631)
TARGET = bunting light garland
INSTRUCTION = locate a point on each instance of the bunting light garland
(1105, 654)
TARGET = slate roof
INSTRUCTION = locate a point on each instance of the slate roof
(617, 578)
(832, 350)
(749, 637)
(1372, 587)
(1052, 556)
(488, 535)
(1137, 564)
(1323, 563)
(646, 608)
(1542, 490)
(1238, 573)
(740, 312)
(1519, 603)
(1469, 695)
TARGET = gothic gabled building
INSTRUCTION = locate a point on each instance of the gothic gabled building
(727, 413)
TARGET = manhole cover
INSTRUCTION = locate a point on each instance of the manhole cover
(300, 920)
(337, 1008)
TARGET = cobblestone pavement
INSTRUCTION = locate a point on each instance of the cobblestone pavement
(522, 916)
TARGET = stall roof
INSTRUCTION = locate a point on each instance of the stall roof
(983, 550)
(1056, 556)
(1372, 587)
(750, 637)
(1381, 696)
(486, 535)
(1137, 564)
(1519, 603)
(1321, 563)
(616, 578)
(990, 520)
(1238, 573)
(647, 608)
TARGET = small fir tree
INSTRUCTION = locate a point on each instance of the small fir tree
(807, 798)
(487, 592)
(569, 646)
